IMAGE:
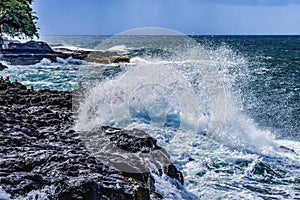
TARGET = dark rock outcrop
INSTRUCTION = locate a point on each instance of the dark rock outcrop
(32, 52)
(2, 66)
(32, 46)
(105, 57)
(15, 93)
(27, 53)
(40, 151)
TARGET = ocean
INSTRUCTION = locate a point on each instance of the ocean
(226, 108)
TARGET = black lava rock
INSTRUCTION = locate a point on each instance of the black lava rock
(2, 66)
(40, 151)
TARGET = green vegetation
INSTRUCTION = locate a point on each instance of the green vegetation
(17, 19)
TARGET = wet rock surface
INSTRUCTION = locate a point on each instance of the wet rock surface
(15, 93)
(33, 52)
(105, 57)
(40, 151)
(2, 66)
(28, 53)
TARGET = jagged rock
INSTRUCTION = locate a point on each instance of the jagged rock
(88, 190)
(16, 93)
(39, 150)
(2, 66)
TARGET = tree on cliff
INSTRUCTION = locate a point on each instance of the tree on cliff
(17, 18)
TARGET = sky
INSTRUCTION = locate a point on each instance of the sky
(202, 17)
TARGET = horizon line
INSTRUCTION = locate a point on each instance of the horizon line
(260, 34)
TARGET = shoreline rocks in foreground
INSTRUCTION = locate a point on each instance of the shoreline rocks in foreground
(40, 151)
(33, 52)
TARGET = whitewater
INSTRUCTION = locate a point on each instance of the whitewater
(194, 98)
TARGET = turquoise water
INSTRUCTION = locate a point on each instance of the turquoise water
(220, 105)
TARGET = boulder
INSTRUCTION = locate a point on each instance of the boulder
(30, 47)
(28, 53)
(2, 66)
(105, 57)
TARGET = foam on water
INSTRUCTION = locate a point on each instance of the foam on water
(4, 195)
(121, 49)
(61, 75)
(69, 47)
(202, 89)
(41, 194)
(214, 143)
(189, 98)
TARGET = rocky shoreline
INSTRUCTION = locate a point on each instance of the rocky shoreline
(40, 151)
(33, 52)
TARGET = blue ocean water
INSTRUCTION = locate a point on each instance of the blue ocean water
(221, 105)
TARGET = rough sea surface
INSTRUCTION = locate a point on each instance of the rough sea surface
(226, 108)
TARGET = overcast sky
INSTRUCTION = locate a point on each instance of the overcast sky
(97, 17)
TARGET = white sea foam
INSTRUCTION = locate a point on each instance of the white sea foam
(72, 48)
(210, 154)
(218, 114)
(222, 157)
(119, 48)
(4, 195)
(69, 60)
(44, 83)
(138, 60)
